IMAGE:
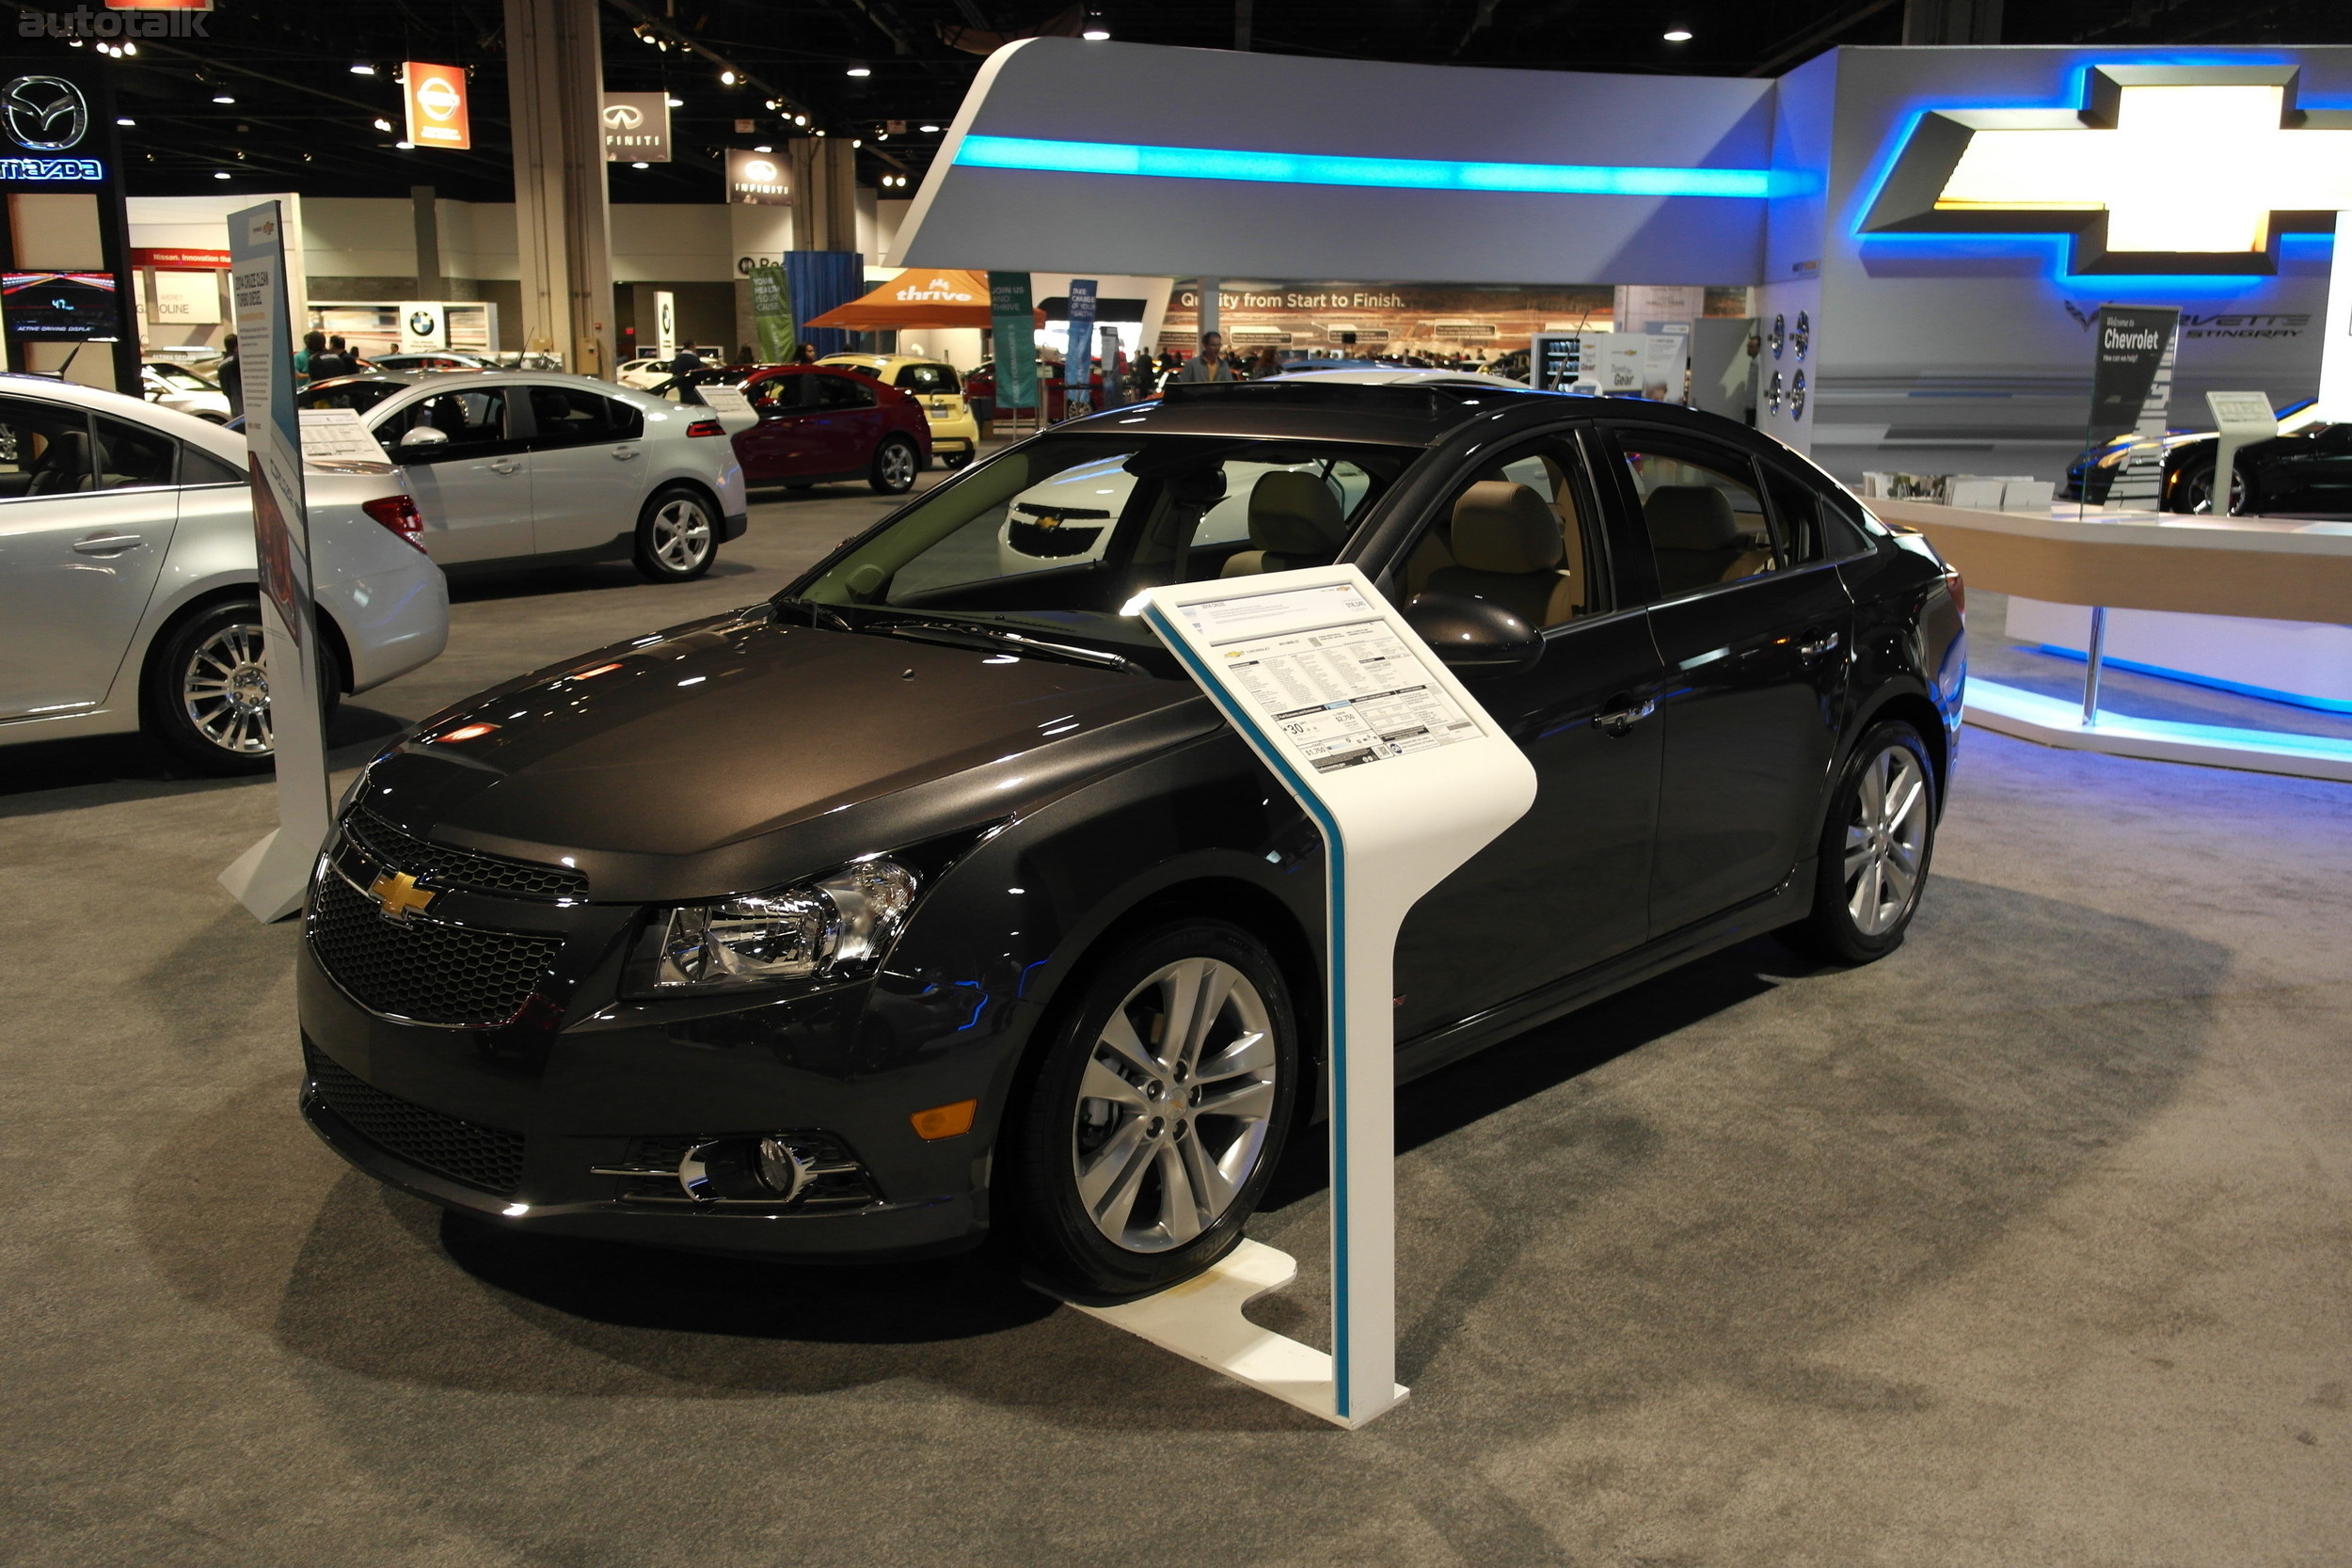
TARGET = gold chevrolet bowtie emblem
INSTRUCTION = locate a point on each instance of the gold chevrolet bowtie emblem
(397, 895)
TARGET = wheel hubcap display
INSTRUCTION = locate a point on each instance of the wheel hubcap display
(225, 689)
(1886, 841)
(681, 535)
(898, 465)
(1175, 1105)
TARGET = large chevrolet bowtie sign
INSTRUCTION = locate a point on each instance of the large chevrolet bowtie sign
(2162, 169)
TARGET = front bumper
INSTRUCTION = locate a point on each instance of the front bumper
(515, 1124)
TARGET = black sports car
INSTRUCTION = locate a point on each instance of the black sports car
(930, 898)
(2306, 470)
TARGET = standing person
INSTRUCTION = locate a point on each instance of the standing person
(1267, 363)
(232, 375)
(334, 359)
(1147, 373)
(313, 342)
(805, 354)
(746, 355)
(1209, 364)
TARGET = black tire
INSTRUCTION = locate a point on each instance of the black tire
(2193, 491)
(1855, 920)
(896, 464)
(678, 535)
(230, 733)
(1153, 1143)
(954, 460)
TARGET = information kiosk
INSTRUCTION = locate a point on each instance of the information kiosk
(1406, 777)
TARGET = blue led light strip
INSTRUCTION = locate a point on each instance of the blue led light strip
(1315, 169)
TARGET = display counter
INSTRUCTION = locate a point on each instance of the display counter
(2254, 605)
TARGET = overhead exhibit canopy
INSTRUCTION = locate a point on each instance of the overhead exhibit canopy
(1346, 168)
(921, 297)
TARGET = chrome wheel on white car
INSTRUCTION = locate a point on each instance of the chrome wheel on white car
(677, 537)
(224, 688)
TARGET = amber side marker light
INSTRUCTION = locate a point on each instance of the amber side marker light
(945, 1121)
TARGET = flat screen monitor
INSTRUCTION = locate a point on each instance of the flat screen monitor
(59, 306)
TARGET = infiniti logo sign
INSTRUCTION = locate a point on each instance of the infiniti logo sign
(623, 116)
(44, 114)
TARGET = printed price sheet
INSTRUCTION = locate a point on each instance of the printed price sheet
(1342, 691)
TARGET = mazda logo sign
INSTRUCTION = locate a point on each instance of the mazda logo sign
(45, 114)
(623, 116)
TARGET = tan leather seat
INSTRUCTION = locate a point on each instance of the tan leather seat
(1694, 534)
(1294, 521)
(1508, 551)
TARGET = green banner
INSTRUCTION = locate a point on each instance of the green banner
(771, 312)
(1013, 318)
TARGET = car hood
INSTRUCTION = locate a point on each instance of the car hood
(736, 752)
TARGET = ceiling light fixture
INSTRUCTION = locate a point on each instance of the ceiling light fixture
(224, 97)
(859, 70)
(930, 130)
(382, 125)
(124, 119)
(728, 78)
(220, 174)
(799, 120)
(362, 69)
(641, 166)
(1678, 35)
(675, 102)
(405, 146)
(763, 147)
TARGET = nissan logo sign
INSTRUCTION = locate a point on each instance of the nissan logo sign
(45, 114)
(623, 116)
(437, 98)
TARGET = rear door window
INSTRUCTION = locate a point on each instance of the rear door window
(570, 417)
(133, 458)
(844, 391)
(1703, 507)
(44, 450)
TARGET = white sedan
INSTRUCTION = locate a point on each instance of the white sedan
(128, 595)
(533, 468)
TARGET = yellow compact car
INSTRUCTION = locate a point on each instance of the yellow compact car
(954, 434)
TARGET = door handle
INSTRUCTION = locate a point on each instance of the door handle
(1818, 644)
(506, 468)
(622, 455)
(107, 544)
(1624, 719)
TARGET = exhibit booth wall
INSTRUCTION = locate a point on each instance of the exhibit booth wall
(1939, 352)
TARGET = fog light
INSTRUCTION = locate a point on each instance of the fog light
(764, 1168)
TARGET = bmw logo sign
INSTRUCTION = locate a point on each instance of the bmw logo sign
(44, 114)
(422, 324)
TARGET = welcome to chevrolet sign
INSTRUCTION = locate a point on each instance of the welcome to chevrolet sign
(2160, 169)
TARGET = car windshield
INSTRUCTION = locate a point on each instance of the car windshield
(187, 381)
(1057, 537)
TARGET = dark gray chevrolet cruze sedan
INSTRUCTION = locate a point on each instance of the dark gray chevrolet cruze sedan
(929, 899)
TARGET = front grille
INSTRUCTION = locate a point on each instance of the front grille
(440, 865)
(484, 1157)
(420, 969)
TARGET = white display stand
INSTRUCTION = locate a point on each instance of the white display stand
(2241, 419)
(269, 879)
(1406, 777)
(732, 410)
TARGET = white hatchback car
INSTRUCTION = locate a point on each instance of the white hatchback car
(515, 468)
(128, 595)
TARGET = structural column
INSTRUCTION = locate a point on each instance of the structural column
(2335, 347)
(555, 75)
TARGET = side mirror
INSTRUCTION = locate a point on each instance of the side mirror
(420, 440)
(1474, 637)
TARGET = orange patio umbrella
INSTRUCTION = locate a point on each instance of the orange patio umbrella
(920, 296)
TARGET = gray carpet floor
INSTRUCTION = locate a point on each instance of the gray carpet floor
(2027, 1245)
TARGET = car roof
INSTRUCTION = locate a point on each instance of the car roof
(188, 427)
(1390, 376)
(1314, 409)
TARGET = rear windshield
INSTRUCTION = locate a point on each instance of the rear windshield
(926, 380)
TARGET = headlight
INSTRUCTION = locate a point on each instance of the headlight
(836, 924)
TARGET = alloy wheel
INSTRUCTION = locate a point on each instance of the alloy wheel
(1887, 840)
(681, 535)
(225, 689)
(898, 465)
(1175, 1106)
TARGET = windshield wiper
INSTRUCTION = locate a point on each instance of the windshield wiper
(990, 635)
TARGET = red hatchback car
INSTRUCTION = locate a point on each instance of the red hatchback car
(817, 424)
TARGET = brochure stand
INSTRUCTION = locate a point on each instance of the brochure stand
(1406, 777)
